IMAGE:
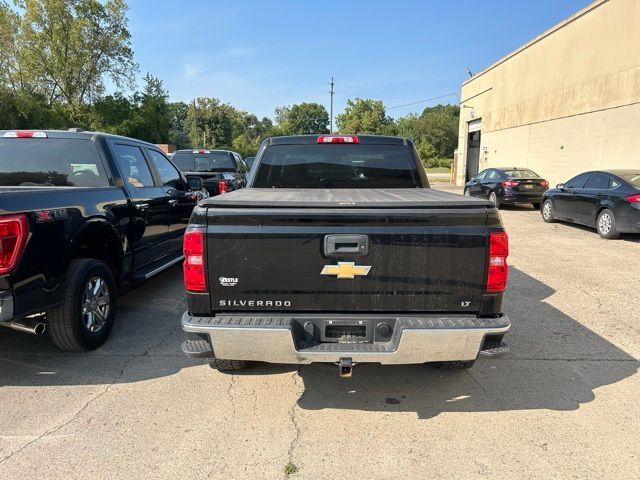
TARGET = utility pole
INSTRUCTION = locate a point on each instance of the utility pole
(331, 108)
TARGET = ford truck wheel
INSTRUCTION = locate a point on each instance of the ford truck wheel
(85, 317)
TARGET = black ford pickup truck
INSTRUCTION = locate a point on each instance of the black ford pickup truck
(80, 213)
(340, 252)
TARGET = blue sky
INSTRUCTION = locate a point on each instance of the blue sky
(259, 55)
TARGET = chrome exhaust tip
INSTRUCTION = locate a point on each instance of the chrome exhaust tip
(26, 326)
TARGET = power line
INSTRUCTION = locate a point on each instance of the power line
(423, 101)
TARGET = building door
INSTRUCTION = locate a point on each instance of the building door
(473, 154)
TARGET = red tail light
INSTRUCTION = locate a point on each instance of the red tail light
(633, 198)
(510, 183)
(498, 270)
(194, 274)
(223, 186)
(13, 237)
(544, 183)
(338, 139)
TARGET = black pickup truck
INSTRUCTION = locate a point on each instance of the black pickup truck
(340, 252)
(80, 213)
(222, 171)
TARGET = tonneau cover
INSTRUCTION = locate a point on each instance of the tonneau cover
(340, 198)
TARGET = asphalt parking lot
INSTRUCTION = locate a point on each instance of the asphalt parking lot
(563, 404)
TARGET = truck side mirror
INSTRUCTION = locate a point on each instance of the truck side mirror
(195, 182)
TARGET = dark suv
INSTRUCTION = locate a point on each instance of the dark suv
(221, 170)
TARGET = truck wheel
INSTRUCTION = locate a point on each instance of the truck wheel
(606, 225)
(85, 317)
(227, 365)
(456, 365)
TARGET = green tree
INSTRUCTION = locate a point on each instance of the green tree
(302, 119)
(364, 116)
(152, 118)
(439, 126)
(210, 123)
(70, 47)
(178, 134)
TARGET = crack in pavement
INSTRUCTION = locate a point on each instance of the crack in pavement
(74, 417)
(294, 421)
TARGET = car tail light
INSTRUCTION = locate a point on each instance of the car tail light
(338, 139)
(193, 247)
(25, 134)
(201, 151)
(544, 183)
(223, 186)
(510, 183)
(633, 198)
(13, 237)
(498, 270)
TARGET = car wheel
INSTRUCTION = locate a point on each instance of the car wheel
(85, 317)
(493, 198)
(606, 224)
(536, 206)
(547, 212)
(466, 192)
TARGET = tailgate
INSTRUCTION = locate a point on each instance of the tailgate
(413, 260)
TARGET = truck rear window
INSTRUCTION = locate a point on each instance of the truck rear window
(337, 166)
(204, 162)
(60, 162)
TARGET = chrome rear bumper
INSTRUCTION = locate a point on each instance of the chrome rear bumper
(277, 339)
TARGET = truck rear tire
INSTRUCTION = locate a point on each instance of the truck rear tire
(87, 313)
(456, 365)
(227, 365)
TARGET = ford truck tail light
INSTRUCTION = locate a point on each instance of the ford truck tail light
(13, 237)
(194, 274)
(223, 186)
(633, 198)
(338, 139)
(498, 270)
(510, 183)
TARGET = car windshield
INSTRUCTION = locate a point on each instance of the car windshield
(337, 166)
(53, 162)
(632, 178)
(204, 162)
(521, 173)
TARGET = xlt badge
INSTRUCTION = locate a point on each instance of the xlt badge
(345, 270)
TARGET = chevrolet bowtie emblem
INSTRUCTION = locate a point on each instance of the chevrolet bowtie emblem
(345, 270)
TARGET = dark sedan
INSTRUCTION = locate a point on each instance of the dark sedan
(608, 201)
(508, 186)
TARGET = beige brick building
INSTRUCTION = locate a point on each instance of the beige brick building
(566, 102)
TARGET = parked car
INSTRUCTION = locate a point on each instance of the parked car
(508, 186)
(222, 171)
(345, 256)
(249, 161)
(607, 200)
(81, 213)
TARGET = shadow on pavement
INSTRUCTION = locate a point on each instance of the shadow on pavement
(147, 330)
(555, 363)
